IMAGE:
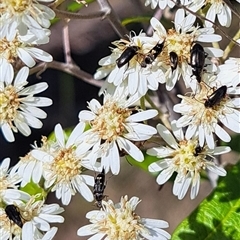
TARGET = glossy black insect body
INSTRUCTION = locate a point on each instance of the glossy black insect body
(98, 188)
(152, 54)
(14, 215)
(198, 150)
(216, 97)
(127, 55)
(197, 61)
(173, 60)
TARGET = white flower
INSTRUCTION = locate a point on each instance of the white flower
(217, 8)
(9, 180)
(18, 106)
(22, 16)
(36, 218)
(63, 166)
(30, 168)
(186, 158)
(180, 41)
(21, 47)
(119, 221)
(9, 228)
(161, 3)
(230, 72)
(115, 127)
(165, 3)
(132, 75)
(203, 120)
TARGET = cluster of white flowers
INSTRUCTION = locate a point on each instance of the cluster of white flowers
(107, 132)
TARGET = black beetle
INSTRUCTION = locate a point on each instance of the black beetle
(127, 55)
(152, 54)
(173, 60)
(216, 97)
(14, 215)
(197, 60)
(198, 149)
(98, 188)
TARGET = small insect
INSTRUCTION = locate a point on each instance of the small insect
(197, 60)
(127, 55)
(173, 60)
(152, 54)
(14, 214)
(216, 97)
(198, 149)
(99, 187)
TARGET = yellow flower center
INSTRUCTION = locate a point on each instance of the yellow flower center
(8, 49)
(187, 159)
(206, 116)
(9, 104)
(121, 223)
(110, 121)
(15, 6)
(66, 165)
(180, 43)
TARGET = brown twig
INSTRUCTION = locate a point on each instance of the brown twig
(69, 68)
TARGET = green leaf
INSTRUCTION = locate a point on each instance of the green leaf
(135, 20)
(74, 6)
(218, 216)
(34, 189)
(143, 165)
(234, 144)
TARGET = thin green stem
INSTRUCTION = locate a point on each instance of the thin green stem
(152, 104)
(163, 117)
(230, 46)
(142, 103)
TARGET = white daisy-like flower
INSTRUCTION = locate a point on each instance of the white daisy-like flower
(27, 15)
(229, 72)
(180, 41)
(30, 168)
(10, 180)
(63, 166)
(161, 3)
(165, 3)
(20, 48)
(35, 218)
(120, 221)
(185, 157)
(115, 127)
(18, 105)
(215, 8)
(203, 111)
(135, 77)
(10, 230)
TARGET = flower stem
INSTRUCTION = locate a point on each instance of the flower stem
(162, 116)
(230, 46)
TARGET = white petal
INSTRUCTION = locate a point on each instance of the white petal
(218, 170)
(157, 166)
(164, 175)
(222, 134)
(59, 135)
(78, 130)
(25, 57)
(85, 192)
(221, 150)
(7, 132)
(141, 116)
(167, 136)
(22, 76)
(130, 148)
